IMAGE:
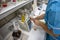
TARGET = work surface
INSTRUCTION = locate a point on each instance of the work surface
(38, 34)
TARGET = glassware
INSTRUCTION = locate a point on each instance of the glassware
(14, 0)
(4, 3)
(23, 17)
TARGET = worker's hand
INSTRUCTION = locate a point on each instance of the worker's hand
(35, 21)
(32, 18)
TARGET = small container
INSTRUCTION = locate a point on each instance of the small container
(16, 34)
(23, 17)
(14, 0)
(4, 3)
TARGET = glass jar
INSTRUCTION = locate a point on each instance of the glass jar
(4, 3)
(14, 0)
(16, 34)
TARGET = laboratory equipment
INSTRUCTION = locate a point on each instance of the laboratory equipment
(16, 34)
(13, 1)
(25, 23)
(4, 3)
(23, 17)
(21, 14)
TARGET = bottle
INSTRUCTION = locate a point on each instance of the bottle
(4, 3)
(23, 17)
(16, 34)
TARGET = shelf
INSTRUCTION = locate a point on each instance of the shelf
(12, 7)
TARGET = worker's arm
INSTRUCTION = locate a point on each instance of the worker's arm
(45, 27)
(38, 17)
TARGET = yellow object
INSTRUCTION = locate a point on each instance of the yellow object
(23, 17)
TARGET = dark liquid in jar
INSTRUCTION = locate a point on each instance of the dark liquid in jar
(16, 34)
(4, 5)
